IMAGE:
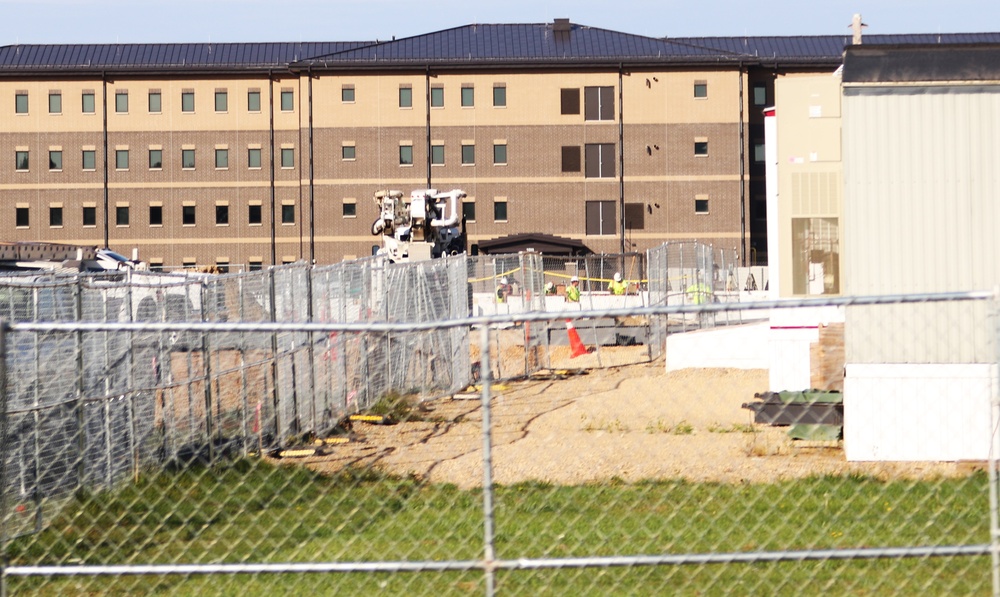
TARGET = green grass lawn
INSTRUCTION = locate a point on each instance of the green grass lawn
(250, 512)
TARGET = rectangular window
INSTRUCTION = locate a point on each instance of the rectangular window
(21, 160)
(121, 102)
(187, 215)
(221, 159)
(221, 101)
(437, 155)
(600, 217)
(254, 214)
(21, 217)
(348, 152)
(701, 205)
(598, 103)
(89, 216)
(187, 159)
(253, 158)
(287, 157)
(21, 103)
(155, 102)
(89, 158)
(350, 209)
(469, 211)
(55, 104)
(55, 216)
(253, 101)
(155, 159)
(347, 94)
(55, 160)
(635, 216)
(701, 148)
(156, 215)
(287, 101)
(254, 265)
(468, 155)
(405, 97)
(758, 152)
(121, 215)
(569, 101)
(221, 215)
(121, 159)
(405, 155)
(499, 211)
(815, 255)
(468, 96)
(187, 101)
(499, 153)
(287, 214)
(156, 265)
(571, 158)
(700, 89)
(437, 97)
(222, 265)
(760, 94)
(87, 104)
(600, 160)
(499, 96)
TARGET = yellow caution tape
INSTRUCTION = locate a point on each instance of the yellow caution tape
(332, 440)
(296, 453)
(369, 418)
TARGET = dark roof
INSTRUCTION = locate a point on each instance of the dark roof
(546, 244)
(902, 64)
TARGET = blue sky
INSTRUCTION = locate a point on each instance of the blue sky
(157, 21)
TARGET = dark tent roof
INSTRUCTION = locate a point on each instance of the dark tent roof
(546, 244)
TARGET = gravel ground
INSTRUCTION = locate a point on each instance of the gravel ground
(632, 423)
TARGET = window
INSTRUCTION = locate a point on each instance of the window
(437, 97)
(815, 255)
(89, 159)
(701, 205)
(254, 265)
(437, 155)
(187, 101)
(499, 96)
(600, 160)
(571, 158)
(253, 101)
(598, 103)
(635, 216)
(221, 101)
(701, 148)
(600, 217)
(221, 158)
(121, 159)
(700, 89)
(21, 160)
(187, 159)
(21, 217)
(155, 159)
(468, 155)
(155, 102)
(468, 96)
(253, 158)
(121, 102)
(405, 97)
(156, 265)
(350, 209)
(569, 101)
(287, 214)
(87, 102)
(758, 152)
(405, 155)
(760, 94)
(21, 103)
(254, 214)
(55, 103)
(55, 216)
(287, 157)
(499, 153)
(55, 160)
(347, 94)
(89, 216)
(287, 101)
(187, 215)
(156, 215)
(222, 265)
(499, 210)
(221, 215)
(348, 152)
(121, 215)
(469, 211)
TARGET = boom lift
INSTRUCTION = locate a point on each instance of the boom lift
(424, 227)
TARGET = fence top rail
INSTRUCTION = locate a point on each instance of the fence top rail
(498, 319)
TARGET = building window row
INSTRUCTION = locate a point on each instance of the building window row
(467, 97)
(188, 214)
(88, 104)
(599, 159)
(88, 160)
(468, 153)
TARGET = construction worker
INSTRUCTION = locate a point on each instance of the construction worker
(617, 286)
(503, 290)
(573, 290)
(699, 293)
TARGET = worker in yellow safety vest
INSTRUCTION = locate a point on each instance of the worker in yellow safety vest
(616, 286)
(573, 290)
(503, 290)
(699, 293)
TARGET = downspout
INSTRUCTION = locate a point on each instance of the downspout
(104, 115)
(621, 161)
(743, 177)
(270, 108)
(312, 188)
(427, 109)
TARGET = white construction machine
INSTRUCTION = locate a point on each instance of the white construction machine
(427, 225)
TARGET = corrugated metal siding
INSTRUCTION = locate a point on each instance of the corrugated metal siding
(921, 215)
(816, 194)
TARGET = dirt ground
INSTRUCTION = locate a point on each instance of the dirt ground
(631, 422)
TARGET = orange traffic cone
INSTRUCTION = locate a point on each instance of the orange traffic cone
(574, 340)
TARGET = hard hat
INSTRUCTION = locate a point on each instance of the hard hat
(574, 279)
(618, 277)
(503, 280)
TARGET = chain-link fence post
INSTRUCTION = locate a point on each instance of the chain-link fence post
(994, 460)
(4, 511)
(489, 547)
